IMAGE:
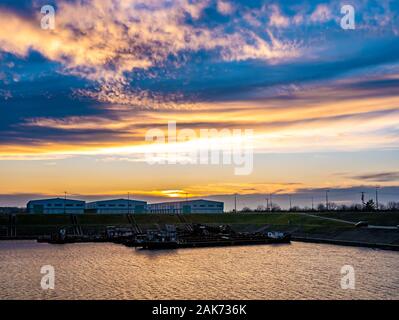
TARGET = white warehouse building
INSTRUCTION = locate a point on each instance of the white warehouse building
(56, 206)
(187, 207)
(117, 206)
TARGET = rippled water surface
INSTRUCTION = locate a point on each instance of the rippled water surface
(110, 271)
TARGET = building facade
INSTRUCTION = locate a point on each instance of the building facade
(118, 206)
(123, 206)
(187, 207)
(56, 206)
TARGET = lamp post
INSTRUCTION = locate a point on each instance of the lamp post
(327, 191)
(376, 197)
(128, 202)
(65, 199)
(235, 203)
(271, 203)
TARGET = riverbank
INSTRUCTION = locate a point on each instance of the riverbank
(334, 228)
(380, 246)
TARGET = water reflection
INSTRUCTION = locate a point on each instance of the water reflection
(110, 271)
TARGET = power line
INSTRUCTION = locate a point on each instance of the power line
(235, 202)
(376, 197)
(327, 191)
(128, 202)
(65, 199)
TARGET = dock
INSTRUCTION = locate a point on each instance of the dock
(200, 236)
(381, 246)
(170, 237)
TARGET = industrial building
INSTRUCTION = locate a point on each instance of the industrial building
(118, 206)
(56, 206)
(122, 206)
(187, 207)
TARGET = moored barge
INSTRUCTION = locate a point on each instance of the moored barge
(204, 236)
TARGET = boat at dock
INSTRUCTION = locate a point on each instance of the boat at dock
(206, 236)
(171, 237)
(203, 243)
(62, 237)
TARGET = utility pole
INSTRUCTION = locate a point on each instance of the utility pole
(363, 201)
(267, 206)
(327, 191)
(65, 199)
(128, 202)
(271, 203)
(188, 210)
(235, 203)
(290, 203)
(312, 204)
(376, 197)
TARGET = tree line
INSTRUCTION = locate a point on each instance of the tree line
(367, 206)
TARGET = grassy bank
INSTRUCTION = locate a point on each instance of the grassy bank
(298, 224)
(38, 224)
(376, 218)
(109, 219)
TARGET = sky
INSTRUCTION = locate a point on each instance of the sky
(77, 101)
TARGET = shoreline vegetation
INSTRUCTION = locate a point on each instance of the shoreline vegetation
(327, 227)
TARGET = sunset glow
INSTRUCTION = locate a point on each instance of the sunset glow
(77, 102)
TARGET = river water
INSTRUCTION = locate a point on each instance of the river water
(110, 271)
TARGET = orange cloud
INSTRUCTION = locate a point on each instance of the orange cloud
(101, 40)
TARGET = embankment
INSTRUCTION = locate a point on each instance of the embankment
(302, 226)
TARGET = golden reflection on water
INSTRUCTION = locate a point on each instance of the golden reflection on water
(110, 271)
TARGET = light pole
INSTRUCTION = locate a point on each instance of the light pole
(327, 191)
(186, 202)
(271, 203)
(65, 199)
(235, 203)
(376, 197)
(363, 203)
(128, 203)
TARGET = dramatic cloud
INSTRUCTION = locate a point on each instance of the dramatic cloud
(101, 40)
(321, 14)
(88, 91)
(225, 7)
(379, 177)
(277, 19)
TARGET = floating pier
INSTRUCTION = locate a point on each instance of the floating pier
(197, 236)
